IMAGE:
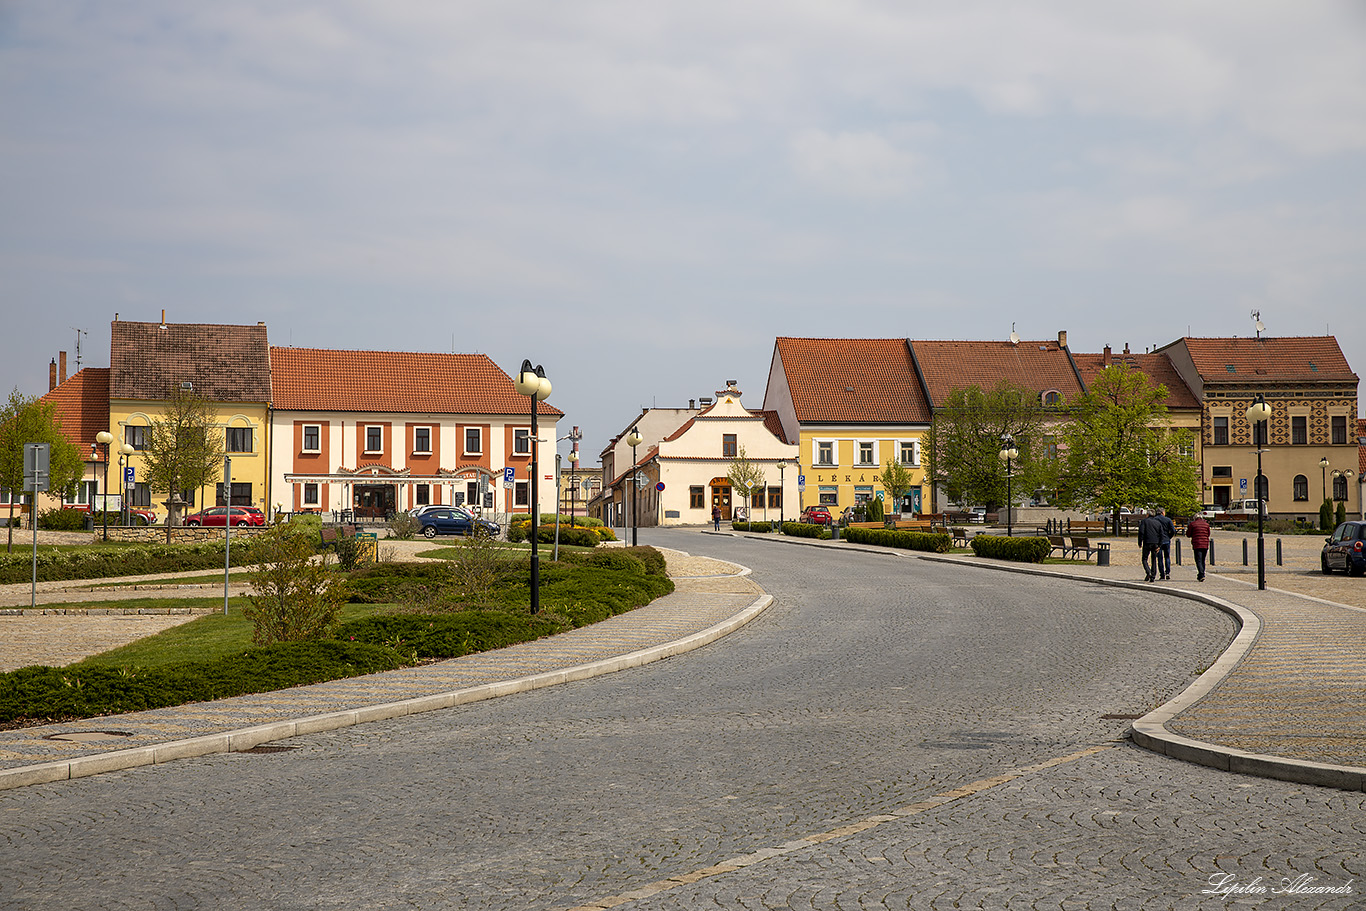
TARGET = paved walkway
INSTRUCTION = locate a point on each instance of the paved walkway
(1284, 701)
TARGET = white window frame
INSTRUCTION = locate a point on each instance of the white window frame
(430, 434)
(915, 452)
(313, 488)
(303, 437)
(858, 451)
(816, 462)
(365, 428)
(521, 435)
(228, 433)
(465, 440)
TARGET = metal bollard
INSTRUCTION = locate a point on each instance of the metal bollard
(1245, 551)
(1209, 557)
(1278, 552)
(1178, 551)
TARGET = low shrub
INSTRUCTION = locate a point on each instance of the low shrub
(757, 527)
(1030, 549)
(449, 635)
(806, 530)
(574, 535)
(937, 542)
(403, 526)
(62, 520)
(106, 562)
(390, 583)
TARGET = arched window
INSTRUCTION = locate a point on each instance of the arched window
(1301, 487)
(1339, 488)
(1262, 488)
(1051, 398)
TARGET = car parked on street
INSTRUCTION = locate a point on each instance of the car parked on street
(817, 515)
(218, 516)
(454, 520)
(1345, 549)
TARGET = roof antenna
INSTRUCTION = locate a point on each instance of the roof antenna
(1257, 321)
(1014, 336)
(79, 333)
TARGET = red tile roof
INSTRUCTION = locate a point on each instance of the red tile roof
(225, 363)
(1157, 367)
(82, 405)
(772, 422)
(406, 382)
(1312, 359)
(1037, 366)
(852, 381)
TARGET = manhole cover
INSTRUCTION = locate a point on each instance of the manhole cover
(267, 748)
(1120, 717)
(89, 736)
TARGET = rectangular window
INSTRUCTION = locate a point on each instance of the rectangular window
(865, 453)
(1221, 431)
(697, 497)
(310, 494)
(1259, 431)
(140, 496)
(825, 453)
(775, 498)
(422, 439)
(374, 439)
(1299, 430)
(829, 496)
(728, 446)
(239, 439)
(910, 453)
(1222, 471)
(313, 438)
(521, 441)
(241, 494)
(474, 444)
(135, 437)
(472, 493)
(423, 494)
(519, 494)
(1339, 430)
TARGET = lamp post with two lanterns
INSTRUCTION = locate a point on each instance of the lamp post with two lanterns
(105, 437)
(531, 382)
(1008, 454)
(1258, 413)
(782, 491)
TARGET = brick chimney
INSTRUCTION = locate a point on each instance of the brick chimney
(52, 376)
(1062, 338)
(1105, 358)
(1126, 347)
(61, 367)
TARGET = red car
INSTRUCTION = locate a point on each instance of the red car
(817, 515)
(218, 516)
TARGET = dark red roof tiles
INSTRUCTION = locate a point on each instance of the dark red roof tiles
(1156, 366)
(1037, 366)
(852, 380)
(1312, 359)
(82, 405)
(224, 363)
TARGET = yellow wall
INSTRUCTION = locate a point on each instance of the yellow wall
(247, 467)
(849, 476)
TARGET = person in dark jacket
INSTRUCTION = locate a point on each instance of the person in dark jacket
(716, 517)
(1164, 548)
(1199, 531)
(1150, 539)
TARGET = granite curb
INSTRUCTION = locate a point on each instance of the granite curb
(248, 737)
(1150, 731)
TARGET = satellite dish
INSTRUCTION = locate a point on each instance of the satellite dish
(1014, 336)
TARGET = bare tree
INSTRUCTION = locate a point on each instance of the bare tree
(184, 449)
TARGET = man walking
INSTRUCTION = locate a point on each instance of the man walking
(1150, 539)
(1199, 530)
(1164, 548)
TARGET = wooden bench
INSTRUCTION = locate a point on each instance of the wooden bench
(1059, 543)
(865, 525)
(330, 534)
(1088, 528)
(1082, 544)
(914, 525)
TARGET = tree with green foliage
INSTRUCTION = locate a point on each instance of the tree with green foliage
(965, 441)
(184, 448)
(874, 510)
(1340, 514)
(1326, 516)
(896, 480)
(25, 419)
(1120, 448)
(294, 596)
(744, 477)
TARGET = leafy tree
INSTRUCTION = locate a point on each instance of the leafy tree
(25, 419)
(1121, 448)
(965, 441)
(184, 447)
(744, 476)
(896, 480)
(294, 596)
(874, 510)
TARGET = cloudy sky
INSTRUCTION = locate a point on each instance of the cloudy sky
(641, 196)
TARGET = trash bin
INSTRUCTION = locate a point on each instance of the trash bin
(834, 532)
(1102, 553)
(89, 521)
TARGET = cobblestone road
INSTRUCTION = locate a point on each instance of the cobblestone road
(890, 734)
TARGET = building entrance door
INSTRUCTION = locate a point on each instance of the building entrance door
(720, 496)
(372, 501)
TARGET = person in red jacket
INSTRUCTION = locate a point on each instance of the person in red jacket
(1198, 529)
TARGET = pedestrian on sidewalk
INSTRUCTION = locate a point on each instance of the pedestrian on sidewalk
(1199, 530)
(716, 517)
(1150, 540)
(1164, 548)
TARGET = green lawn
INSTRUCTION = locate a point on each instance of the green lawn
(238, 575)
(202, 639)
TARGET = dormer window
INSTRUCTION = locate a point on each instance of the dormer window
(1051, 398)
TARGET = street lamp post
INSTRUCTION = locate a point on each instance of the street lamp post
(1008, 454)
(1323, 473)
(125, 458)
(1257, 413)
(782, 491)
(106, 438)
(633, 441)
(531, 382)
(573, 483)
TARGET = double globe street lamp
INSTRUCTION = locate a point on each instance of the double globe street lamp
(1259, 412)
(1008, 454)
(531, 382)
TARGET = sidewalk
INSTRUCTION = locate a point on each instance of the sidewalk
(711, 599)
(1287, 699)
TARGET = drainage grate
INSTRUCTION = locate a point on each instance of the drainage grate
(267, 748)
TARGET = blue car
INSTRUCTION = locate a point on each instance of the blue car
(452, 520)
(1346, 549)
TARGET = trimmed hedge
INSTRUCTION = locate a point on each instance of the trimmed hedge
(35, 695)
(573, 535)
(807, 530)
(758, 527)
(1030, 549)
(938, 543)
(107, 562)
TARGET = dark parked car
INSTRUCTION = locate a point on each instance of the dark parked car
(452, 520)
(1346, 549)
(817, 515)
(219, 516)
